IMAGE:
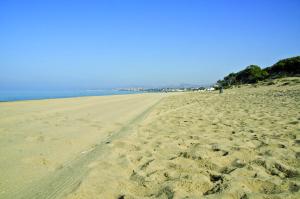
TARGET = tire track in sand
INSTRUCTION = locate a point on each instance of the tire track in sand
(66, 179)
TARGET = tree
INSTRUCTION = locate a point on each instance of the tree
(252, 74)
(285, 67)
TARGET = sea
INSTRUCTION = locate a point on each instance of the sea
(36, 95)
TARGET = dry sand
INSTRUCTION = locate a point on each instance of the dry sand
(244, 143)
(42, 142)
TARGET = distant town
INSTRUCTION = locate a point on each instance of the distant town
(169, 89)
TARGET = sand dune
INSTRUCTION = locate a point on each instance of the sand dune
(241, 144)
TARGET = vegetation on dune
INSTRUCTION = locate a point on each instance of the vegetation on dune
(253, 73)
(285, 67)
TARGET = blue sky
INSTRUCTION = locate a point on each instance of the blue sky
(61, 44)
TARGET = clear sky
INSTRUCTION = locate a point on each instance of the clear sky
(72, 44)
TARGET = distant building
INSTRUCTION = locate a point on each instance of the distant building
(210, 89)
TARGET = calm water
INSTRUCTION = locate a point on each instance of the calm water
(30, 95)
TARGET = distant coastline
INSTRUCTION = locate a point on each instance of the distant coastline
(8, 96)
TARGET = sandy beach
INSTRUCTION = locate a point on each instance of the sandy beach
(40, 139)
(149, 99)
(244, 143)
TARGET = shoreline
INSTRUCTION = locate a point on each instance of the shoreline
(74, 96)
